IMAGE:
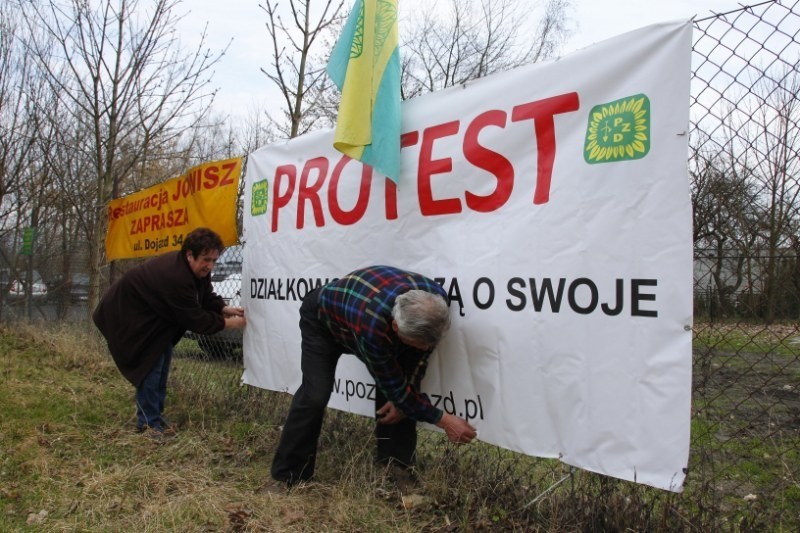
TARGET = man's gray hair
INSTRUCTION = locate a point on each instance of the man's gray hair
(422, 316)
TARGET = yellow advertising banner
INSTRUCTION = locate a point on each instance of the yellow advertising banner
(155, 220)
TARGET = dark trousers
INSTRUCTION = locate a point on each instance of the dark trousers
(295, 457)
(152, 392)
(397, 443)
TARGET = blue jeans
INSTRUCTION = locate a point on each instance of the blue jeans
(151, 393)
(296, 455)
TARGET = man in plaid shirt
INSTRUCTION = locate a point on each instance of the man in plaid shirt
(391, 320)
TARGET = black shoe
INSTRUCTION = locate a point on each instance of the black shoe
(164, 427)
(158, 435)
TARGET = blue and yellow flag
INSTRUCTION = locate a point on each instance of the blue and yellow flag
(365, 66)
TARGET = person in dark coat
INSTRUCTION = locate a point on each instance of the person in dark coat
(147, 311)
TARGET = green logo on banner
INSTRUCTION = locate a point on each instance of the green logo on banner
(28, 236)
(618, 130)
(258, 203)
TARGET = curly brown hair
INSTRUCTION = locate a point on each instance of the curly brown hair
(202, 240)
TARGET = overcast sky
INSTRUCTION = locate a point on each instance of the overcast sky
(244, 87)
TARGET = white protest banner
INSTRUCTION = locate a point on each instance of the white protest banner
(552, 204)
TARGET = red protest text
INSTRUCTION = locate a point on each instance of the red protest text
(320, 177)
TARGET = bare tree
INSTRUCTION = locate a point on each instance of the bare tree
(773, 149)
(70, 176)
(746, 191)
(128, 79)
(17, 130)
(470, 39)
(724, 225)
(254, 131)
(295, 70)
(22, 187)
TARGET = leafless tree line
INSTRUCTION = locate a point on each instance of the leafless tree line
(745, 177)
(99, 99)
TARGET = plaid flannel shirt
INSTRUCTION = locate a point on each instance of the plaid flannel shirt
(357, 310)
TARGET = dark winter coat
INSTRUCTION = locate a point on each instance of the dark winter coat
(153, 305)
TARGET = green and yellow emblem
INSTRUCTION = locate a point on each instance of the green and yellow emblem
(618, 130)
(258, 201)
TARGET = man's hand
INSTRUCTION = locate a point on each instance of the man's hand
(234, 317)
(389, 414)
(458, 430)
(235, 322)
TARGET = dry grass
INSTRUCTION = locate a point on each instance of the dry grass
(70, 461)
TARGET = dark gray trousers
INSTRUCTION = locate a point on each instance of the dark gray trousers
(295, 457)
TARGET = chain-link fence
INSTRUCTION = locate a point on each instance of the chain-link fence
(744, 169)
(744, 471)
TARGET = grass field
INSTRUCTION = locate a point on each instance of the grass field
(70, 461)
